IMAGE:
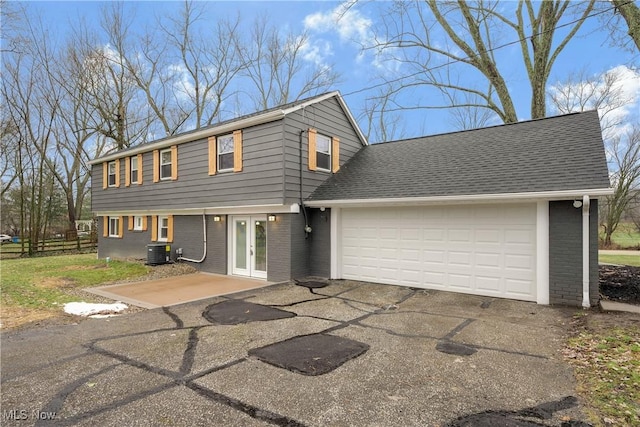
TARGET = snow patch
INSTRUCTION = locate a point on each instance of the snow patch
(92, 309)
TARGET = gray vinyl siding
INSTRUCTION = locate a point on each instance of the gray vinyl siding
(565, 253)
(260, 181)
(328, 118)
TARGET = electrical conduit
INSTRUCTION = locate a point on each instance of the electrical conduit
(204, 231)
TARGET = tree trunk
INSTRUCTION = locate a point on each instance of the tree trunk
(631, 14)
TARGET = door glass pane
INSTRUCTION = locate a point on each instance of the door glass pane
(241, 244)
(260, 236)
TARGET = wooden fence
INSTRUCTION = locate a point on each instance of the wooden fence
(14, 250)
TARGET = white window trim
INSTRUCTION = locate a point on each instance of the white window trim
(137, 223)
(109, 174)
(318, 137)
(220, 152)
(168, 177)
(161, 218)
(116, 223)
(136, 169)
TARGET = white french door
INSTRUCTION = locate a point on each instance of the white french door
(249, 246)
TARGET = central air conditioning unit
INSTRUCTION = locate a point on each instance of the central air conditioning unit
(158, 253)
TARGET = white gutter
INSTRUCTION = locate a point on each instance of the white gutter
(227, 210)
(504, 197)
(585, 251)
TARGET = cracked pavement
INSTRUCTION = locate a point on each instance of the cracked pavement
(424, 358)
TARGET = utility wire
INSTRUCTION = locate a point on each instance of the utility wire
(453, 61)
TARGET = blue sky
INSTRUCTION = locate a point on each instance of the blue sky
(337, 41)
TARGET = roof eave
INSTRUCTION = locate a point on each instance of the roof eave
(470, 198)
(193, 136)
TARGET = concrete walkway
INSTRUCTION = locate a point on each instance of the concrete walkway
(177, 289)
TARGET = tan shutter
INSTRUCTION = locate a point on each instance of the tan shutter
(121, 227)
(154, 228)
(105, 226)
(335, 154)
(139, 169)
(117, 173)
(156, 166)
(174, 162)
(144, 223)
(237, 151)
(127, 171)
(312, 149)
(213, 155)
(170, 228)
(130, 225)
(105, 175)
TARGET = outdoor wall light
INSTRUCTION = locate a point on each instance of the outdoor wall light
(577, 204)
(216, 218)
(271, 218)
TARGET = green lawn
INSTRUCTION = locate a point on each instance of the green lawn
(633, 260)
(626, 236)
(40, 282)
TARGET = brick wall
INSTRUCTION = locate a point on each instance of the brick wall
(565, 253)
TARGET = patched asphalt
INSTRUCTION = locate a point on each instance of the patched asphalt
(345, 354)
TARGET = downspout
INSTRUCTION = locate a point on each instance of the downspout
(585, 252)
(204, 255)
(307, 229)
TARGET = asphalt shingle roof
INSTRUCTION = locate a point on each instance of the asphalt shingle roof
(551, 154)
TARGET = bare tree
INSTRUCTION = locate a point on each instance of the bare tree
(465, 66)
(624, 152)
(275, 64)
(206, 65)
(605, 93)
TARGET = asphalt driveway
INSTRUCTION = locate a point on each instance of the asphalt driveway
(348, 354)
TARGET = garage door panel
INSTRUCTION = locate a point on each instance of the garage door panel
(486, 250)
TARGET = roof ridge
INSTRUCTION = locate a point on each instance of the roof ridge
(558, 116)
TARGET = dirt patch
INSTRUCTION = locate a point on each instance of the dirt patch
(56, 283)
(13, 317)
(620, 283)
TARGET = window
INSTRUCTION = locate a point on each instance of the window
(225, 152)
(138, 223)
(165, 164)
(163, 228)
(114, 226)
(112, 174)
(323, 152)
(134, 169)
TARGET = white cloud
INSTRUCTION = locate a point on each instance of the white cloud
(615, 93)
(344, 19)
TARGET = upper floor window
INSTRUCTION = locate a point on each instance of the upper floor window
(323, 152)
(112, 174)
(166, 159)
(134, 169)
(225, 152)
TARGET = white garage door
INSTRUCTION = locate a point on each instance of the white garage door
(483, 250)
